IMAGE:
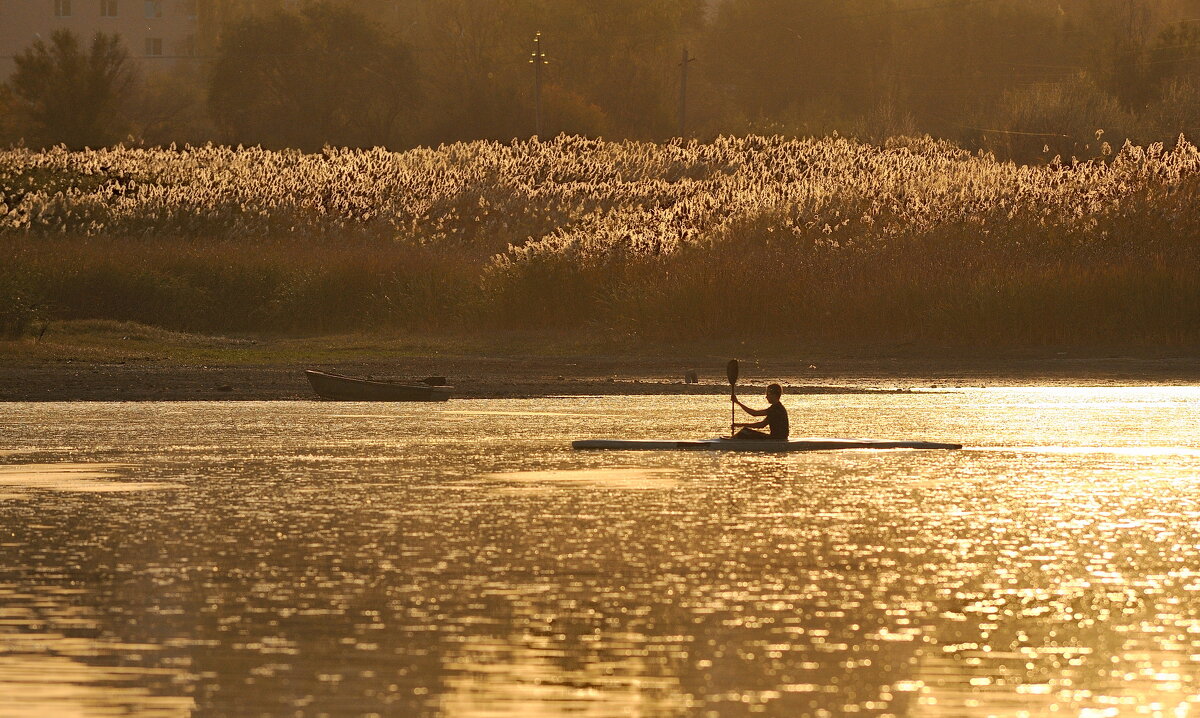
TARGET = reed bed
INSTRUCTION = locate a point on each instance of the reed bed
(742, 237)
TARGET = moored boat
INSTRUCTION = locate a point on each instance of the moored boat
(339, 387)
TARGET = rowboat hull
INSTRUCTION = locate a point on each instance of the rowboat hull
(337, 387)
(749, 445)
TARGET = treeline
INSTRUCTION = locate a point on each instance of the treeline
(1023, 78)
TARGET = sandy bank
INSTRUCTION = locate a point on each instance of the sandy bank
(112, 361)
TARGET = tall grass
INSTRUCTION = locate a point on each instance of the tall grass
(267, 285)
(747, 237)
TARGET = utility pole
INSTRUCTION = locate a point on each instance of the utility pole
(683, 81)
(538, 60)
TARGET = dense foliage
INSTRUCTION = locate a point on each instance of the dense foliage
(1024, 79)
(67, 93)
(745, 236)
(322, 76)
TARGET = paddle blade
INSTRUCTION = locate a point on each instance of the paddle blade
(732, 371)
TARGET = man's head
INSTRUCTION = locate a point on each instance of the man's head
(774, 391)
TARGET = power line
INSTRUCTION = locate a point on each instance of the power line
(683, 82)
(538, 60)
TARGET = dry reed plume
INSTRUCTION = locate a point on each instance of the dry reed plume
(744, 236)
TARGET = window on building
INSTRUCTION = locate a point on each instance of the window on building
(108, 8)
(154, 47)
(62, 8)
(153, 8)
(188, 46)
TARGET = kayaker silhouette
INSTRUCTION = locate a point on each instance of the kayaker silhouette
(775, 418)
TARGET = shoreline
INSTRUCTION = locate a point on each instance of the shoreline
(490, 377)
(120, 361)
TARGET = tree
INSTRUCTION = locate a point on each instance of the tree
(1075, 118)
(623, 56)
(612, 65)
(323, 76)
(169, 107)
(64, 95)
(215, 16)
(474, 58)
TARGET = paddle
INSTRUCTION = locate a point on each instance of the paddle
(732, 371)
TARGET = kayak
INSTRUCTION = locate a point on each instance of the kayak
(723, 444)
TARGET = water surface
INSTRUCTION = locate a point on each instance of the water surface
(172, 559)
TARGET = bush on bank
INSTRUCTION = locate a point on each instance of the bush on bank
(825, 238)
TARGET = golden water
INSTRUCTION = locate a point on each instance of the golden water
(460, 560)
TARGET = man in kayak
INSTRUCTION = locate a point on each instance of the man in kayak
(776, 417)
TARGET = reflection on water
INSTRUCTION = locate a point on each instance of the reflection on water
(52, 665)
(72, 477)
(528, 676)
(610, 479)
(284, 558)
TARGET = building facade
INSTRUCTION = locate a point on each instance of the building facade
(158, 34)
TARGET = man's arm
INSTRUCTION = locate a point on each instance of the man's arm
(756, 425)
(748, 410)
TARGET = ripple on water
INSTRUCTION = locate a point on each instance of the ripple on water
(93, 478)
(633, 479)
(523, 675)
(53, 664)
(397, 564)
(50, 686)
